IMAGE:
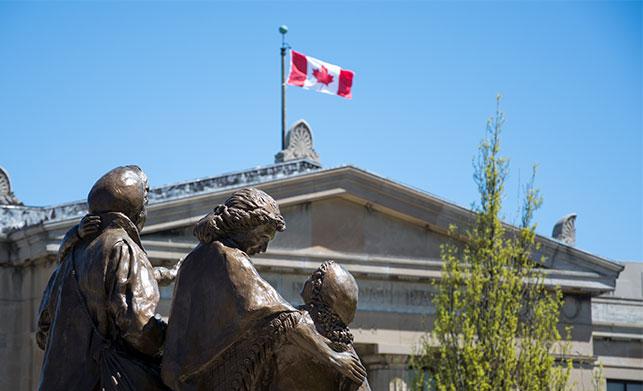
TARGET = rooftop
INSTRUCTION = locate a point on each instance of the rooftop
(15, 217)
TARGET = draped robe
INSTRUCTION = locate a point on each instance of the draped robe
(101, 302)
(224, 322)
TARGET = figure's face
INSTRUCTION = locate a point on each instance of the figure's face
(146, 192)
(142, 217)
(256, 240)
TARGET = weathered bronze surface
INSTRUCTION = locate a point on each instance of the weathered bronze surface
(229, 328)
(97, 320)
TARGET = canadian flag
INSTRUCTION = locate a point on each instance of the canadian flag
(313, 74)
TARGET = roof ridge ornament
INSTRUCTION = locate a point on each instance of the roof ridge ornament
(299, 144)
(6, 195)
(565, 230)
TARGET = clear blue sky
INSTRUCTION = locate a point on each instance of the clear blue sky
(191, 89)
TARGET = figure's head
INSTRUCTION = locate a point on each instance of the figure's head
(250, 218)
(123, 189)
(335, 287)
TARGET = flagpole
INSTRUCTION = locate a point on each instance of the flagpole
(283, 29)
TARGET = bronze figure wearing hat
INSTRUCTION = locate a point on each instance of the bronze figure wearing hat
(97, 321)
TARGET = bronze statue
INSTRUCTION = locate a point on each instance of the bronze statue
(97, 320)
(330, 299)
(227, 325)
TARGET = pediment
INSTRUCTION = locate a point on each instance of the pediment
(359, 215)
(332, 226)
(380, 226)
(341, 225)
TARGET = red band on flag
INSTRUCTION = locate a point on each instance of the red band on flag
(345, 83)
(298, 69)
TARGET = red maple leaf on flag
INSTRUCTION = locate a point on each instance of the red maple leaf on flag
(323, 76)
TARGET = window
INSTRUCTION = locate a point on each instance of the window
(624, 385)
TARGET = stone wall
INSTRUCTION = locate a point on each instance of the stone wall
(20, 293)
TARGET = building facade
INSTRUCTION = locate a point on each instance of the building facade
(386, 234)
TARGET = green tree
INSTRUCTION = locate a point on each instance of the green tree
(496, 321)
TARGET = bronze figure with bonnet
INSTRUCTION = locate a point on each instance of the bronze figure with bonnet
(227, 324)
(330, 299)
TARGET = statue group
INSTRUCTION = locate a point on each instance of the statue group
(228, 328)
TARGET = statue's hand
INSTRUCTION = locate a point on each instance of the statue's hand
(350, 366)
(89, 225)
(165, 276)
(177, 266)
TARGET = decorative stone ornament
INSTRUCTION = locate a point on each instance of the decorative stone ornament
(299, 144)
(6, 195)
(5, 185)
(571, 307)
(565, 229)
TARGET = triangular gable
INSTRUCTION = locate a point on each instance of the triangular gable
(407, 209)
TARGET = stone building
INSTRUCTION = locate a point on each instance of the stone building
(387, 234)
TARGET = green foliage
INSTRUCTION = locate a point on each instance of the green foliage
(495, 326)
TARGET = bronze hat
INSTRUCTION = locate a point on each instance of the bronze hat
(120, 190)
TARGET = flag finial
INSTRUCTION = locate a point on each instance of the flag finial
(283, 30)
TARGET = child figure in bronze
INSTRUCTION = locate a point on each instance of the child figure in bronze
(330, 300)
